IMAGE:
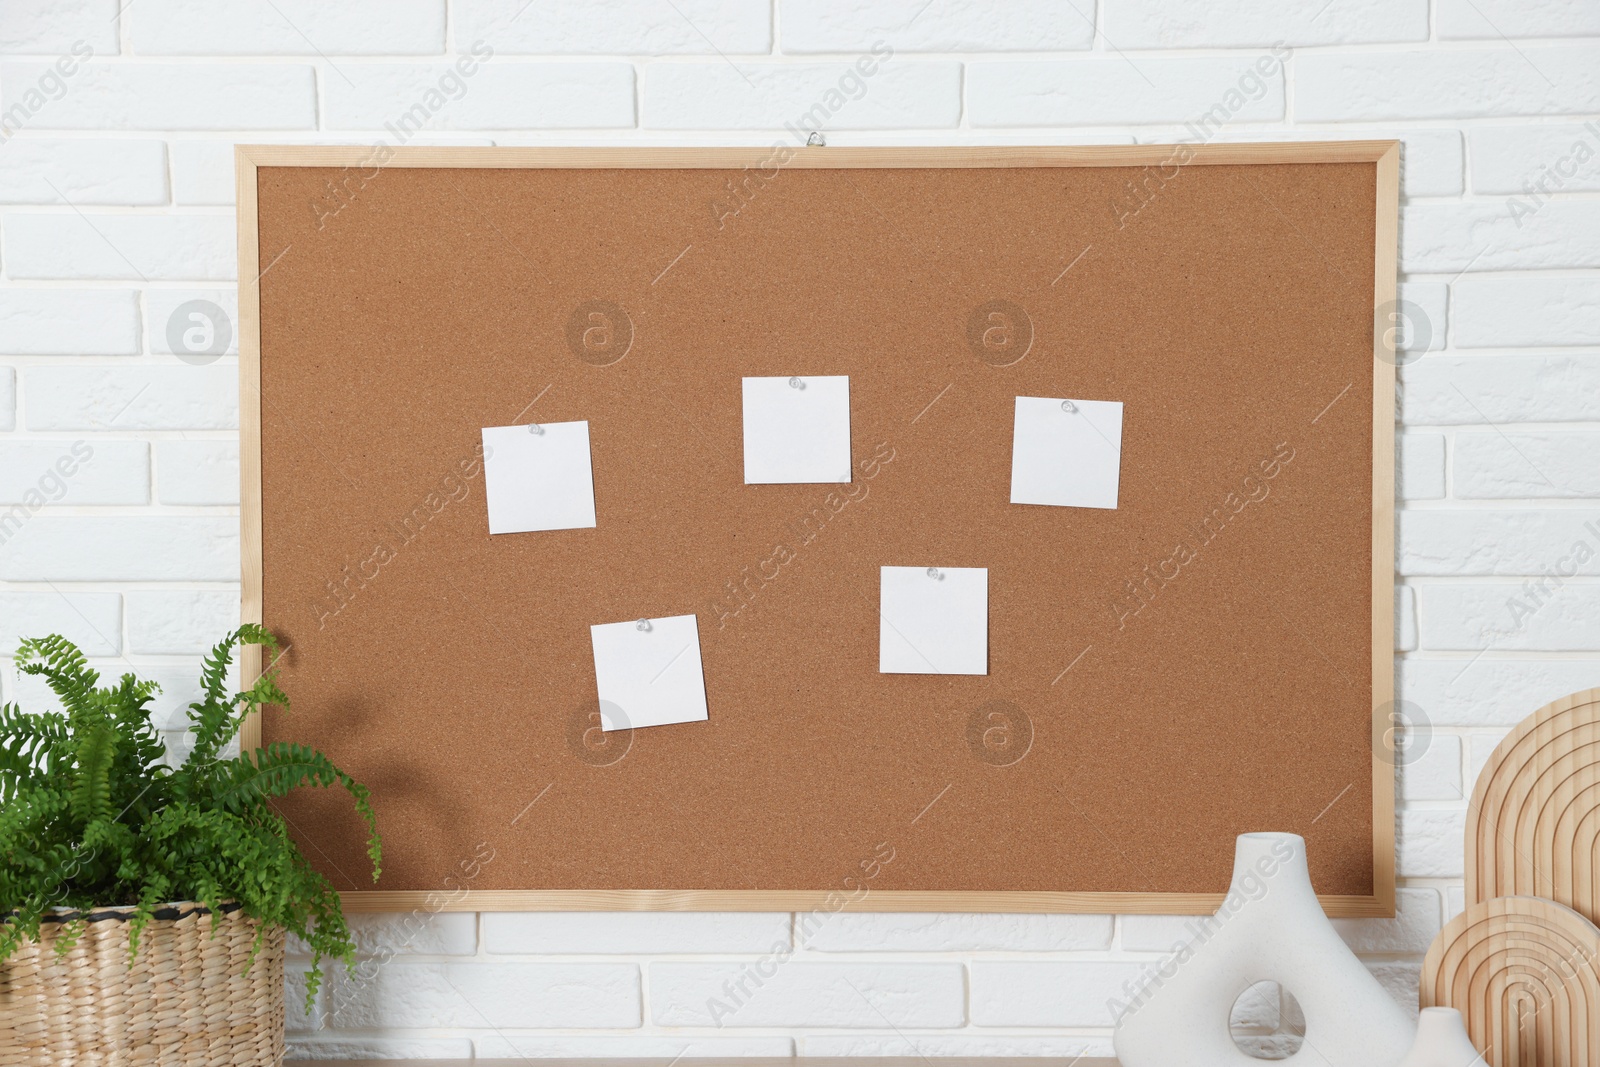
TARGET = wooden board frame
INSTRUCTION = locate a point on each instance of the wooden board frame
(1386, 156)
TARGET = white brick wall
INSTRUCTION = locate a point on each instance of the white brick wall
(1257, 23)
(710, 94)
(69, 322)
(92, 620)
(633, 932)
(1448, 238)
(170, 96)
(1469, 389)
(288, 27)
(115, 189)
(151, 396)
(1532, 310)
(491, 996)
(1542, 79)
(178, 622)
(197, 472)
(1421, 466)
(69, 244)
(1554, 463)
(621, 27)
(202, 172)
(957, 26)
(1498, 19)
(1501, 156)
(805, 994)
(130, 547)
(876, 932)
(109, 471)
(1040, 993)
(498, 95)
(51, 27)
(58, 171)
(1100, 90)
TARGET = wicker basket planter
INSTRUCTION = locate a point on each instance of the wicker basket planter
(185, 1000)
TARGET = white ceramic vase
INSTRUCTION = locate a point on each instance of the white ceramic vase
(1442, 1041)
(1270, 928)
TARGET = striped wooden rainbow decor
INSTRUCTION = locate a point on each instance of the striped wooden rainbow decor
(1534, 824)
(1522, 971)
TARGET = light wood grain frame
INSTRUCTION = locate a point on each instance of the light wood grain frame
(1386, 156)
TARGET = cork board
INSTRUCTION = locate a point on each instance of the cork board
(1211, 657)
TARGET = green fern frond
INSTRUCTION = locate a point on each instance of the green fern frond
(282, 767)
(135, 693)
(91, 785)
(275, 770)
(142, 752)
(216, 717)
(30, 747)
(63, 667)
(264, 693)
(213, 671)
(214, 723)
(43, 725)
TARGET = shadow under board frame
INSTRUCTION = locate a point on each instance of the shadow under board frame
(1386, 156)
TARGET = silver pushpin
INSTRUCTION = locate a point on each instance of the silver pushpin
(1069, 407)
(796, 383)
(644, 625)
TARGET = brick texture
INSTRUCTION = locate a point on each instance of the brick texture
(117, 127)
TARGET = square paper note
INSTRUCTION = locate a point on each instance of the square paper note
(796, 430)
(538, 478)
(649, 672)
(1066, 452)
(933, 620)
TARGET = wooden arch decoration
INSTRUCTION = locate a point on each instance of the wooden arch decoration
(1522, 972)
(1535, 814)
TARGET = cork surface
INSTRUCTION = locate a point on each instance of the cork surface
(1162, 677)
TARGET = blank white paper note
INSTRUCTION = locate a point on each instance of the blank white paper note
(933, 620)
(1067, 453)
(649, 672)
(538, 477)
(796, 429)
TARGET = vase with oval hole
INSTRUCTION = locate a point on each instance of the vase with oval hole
(1270, 928)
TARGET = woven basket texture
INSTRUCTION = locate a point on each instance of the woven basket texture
(185, 999)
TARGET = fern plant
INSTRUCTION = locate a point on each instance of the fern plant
(91, 815)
